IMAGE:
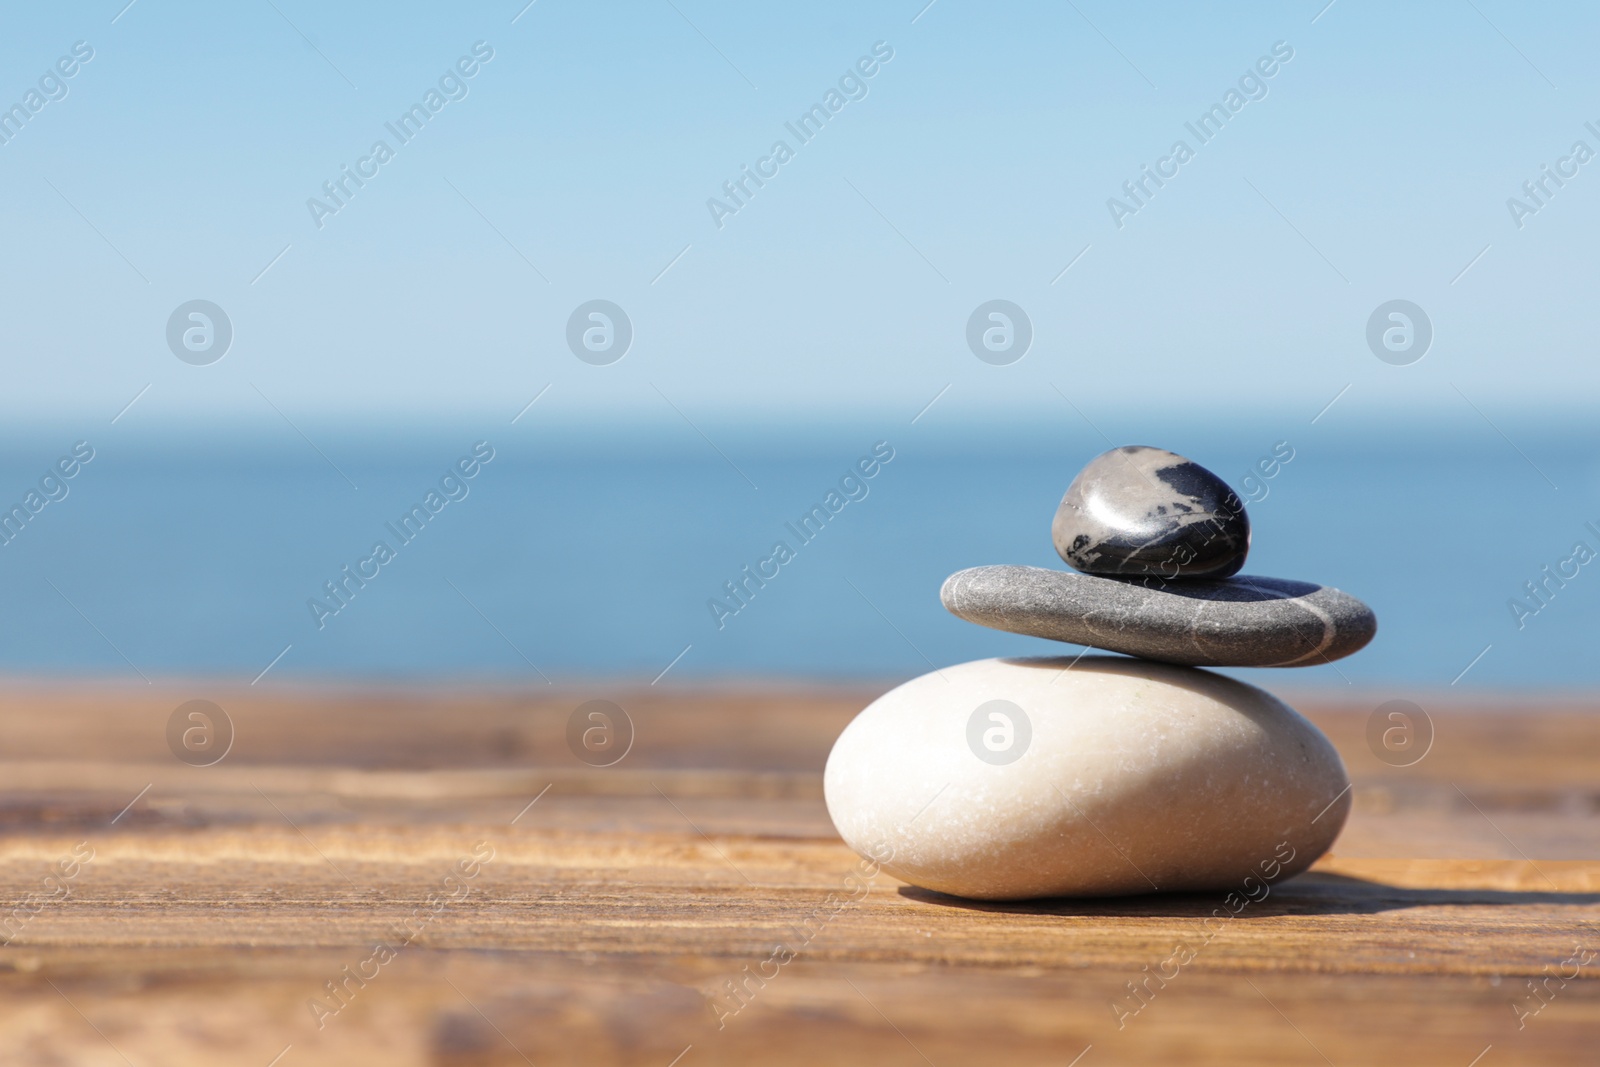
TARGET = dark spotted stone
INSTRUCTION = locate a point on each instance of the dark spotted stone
(1137, 510)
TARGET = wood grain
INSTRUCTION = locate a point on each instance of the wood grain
(618, 909)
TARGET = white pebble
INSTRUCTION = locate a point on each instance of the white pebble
(1005, 779)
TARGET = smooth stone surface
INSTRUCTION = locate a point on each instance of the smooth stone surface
(1139, 510)
(1243, 621)
(1138, 777)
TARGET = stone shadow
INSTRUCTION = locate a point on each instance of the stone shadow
(1312, 893)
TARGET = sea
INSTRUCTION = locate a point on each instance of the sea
(678, 554)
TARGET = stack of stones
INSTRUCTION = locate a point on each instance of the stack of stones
(1096, 775)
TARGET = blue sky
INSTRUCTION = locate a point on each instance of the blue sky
(978, 166)
(571, 159)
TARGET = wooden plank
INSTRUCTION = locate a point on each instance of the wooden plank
(632, 912)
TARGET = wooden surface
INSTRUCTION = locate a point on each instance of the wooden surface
(615, 909)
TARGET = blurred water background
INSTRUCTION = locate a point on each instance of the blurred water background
(595, 553)
(1377, 154)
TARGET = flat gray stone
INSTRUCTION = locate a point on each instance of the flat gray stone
(1242, 621)
(1138, 510)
